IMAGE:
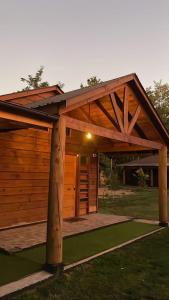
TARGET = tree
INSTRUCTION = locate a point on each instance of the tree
(92, 81)
(34, 82)
(159, 96)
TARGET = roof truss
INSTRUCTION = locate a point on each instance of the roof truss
(110, 134)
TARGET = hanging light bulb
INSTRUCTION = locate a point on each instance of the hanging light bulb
(89, 135)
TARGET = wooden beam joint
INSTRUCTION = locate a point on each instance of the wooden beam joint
(110, 134)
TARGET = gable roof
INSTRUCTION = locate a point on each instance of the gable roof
(48, 98)
(16, 95)
(149, 161)
(82, 91)
(79, 97)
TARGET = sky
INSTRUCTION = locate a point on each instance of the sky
(76, 39)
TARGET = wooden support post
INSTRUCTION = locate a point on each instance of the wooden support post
(55, 198)
(151, 177)
(162, 177)
(124, 176)
(77, 206)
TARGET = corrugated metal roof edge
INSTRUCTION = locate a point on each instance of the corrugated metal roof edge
(10, 107)
(73, 93)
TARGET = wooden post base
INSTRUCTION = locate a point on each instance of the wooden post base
(163, 224)
(54, 269)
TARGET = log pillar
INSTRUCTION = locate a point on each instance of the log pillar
(54, 258)
(162, 178)
(124, 176)
(151, 177)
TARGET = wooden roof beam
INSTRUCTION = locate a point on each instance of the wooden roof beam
(86, 115)
(110, 134)
(116, 111)
(106, 113)
(134, 119)
(136, 126)
(25, 120)
(125, 110)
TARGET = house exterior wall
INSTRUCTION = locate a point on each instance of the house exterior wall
(24, 174)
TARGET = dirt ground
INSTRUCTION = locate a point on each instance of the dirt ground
(114, 193)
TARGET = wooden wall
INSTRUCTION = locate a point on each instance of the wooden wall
(24, 173)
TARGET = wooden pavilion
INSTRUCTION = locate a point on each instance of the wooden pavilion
(149, 164)
(114, 116)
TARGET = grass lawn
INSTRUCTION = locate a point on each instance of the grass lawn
(75, 248)
(142, 204)
(137, 272)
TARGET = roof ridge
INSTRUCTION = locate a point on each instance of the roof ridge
(74, 93)
(27, 93)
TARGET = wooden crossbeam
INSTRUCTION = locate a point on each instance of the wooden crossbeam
(25, 120)
(119, 148)
(110, 134)
(106, 113)
(134, 119)
(125, 110)
(136, 127)
(118, 117)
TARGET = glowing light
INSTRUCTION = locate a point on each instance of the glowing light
(88, 135)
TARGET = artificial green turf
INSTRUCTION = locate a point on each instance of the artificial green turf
(139, 271)
(75, 248)
(13, 267)
(84, 245)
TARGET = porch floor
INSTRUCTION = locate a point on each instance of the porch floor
(15, 239)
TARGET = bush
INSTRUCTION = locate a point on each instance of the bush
(141, 177)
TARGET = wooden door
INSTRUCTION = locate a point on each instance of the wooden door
(84, 184)
(69, 202)
(88, 177)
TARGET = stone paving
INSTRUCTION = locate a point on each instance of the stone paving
(15, 239)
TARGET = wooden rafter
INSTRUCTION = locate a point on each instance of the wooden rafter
(125, 110)
(116, 110)
(85, 114)
(110, 134)
(134, 119)
(106, 113)
(136, 127)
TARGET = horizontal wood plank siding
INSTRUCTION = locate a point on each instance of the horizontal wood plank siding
(24, 174)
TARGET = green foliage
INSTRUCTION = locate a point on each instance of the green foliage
(105, 165)
(92, 81)
(34, 82)
(159, 96)
(114, 181)
(141, 177)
